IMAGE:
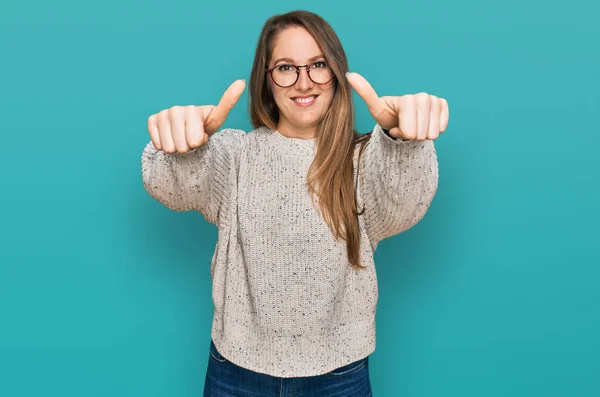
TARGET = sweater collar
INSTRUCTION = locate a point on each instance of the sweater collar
(297, 146)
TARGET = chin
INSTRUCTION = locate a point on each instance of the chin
(309, 118)
(308, 123)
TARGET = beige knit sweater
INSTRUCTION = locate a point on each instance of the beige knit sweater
(286, 300)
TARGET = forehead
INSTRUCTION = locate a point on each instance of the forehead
(296, 44)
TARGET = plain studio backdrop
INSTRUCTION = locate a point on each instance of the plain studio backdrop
(105, 292)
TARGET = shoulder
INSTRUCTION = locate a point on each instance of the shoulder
(360, 145)
(259, 133)
(235, 141)
(240, 135)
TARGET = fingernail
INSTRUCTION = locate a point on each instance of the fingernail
(346, 74)
(244, 80)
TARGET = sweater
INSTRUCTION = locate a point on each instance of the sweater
(287, 302)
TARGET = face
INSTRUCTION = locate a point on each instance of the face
(296, 46)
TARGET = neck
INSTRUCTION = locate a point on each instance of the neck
(291, 131)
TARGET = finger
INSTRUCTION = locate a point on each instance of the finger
(177, 117)
(423, 114)
(397, 133)
(444, 115)
(164, 131)
(362, 87)
(194, 130)
(408, 118)
(228, 100)
(153, 131)
(434, 118)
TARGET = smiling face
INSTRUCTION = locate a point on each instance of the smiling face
(303, 105)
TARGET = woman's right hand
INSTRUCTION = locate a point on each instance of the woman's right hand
(183, 128)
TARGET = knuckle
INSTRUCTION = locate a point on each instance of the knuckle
(192, 113)
(197, 140)
(423, 97)
(152, 123)
(175, 111)
(410, 135)
(163, 115)
(204, 139)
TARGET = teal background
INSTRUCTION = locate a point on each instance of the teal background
(104, 292)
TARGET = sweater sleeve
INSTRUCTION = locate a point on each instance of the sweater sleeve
(197, 180)
(399, 180)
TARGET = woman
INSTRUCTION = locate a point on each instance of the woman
(300, 203)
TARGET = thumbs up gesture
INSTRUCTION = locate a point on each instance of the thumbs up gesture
(183, 128)
(409, 117)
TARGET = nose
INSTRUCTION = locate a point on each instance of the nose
(304, 82)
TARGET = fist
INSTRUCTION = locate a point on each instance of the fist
(409, 117)
(183, 128)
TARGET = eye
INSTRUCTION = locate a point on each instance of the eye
(319, 65)
(284, 68)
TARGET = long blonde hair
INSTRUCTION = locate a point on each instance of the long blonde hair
(331, 172)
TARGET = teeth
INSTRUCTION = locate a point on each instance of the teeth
(305, 100)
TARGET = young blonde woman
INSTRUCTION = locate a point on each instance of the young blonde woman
(300, 203)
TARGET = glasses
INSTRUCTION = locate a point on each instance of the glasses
(286, 75)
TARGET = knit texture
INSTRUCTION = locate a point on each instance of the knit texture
(287, 302)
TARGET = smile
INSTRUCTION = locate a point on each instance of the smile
(305, 101)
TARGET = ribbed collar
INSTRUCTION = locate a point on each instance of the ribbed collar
(296, 146)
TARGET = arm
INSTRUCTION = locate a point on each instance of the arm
(399, 179)
(197, 180)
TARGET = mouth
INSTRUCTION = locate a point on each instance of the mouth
(304, 101)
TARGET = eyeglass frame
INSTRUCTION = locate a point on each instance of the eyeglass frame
(270, 72)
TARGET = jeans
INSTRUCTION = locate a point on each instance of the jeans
(226, 379)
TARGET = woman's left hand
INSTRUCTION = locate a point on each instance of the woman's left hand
(411, 117)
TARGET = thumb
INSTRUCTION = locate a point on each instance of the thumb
(219, 114)
(362, 87)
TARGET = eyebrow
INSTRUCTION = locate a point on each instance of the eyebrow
(292, 61)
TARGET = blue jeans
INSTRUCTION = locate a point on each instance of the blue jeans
(226, 379)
